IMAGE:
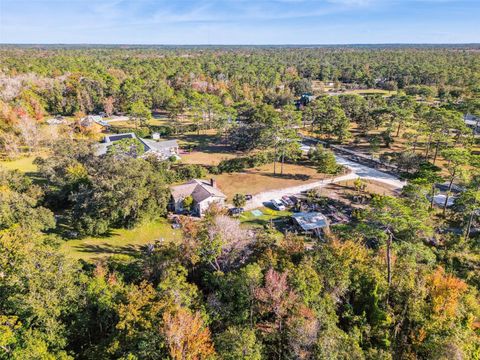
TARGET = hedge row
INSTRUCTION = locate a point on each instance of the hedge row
(242, 163)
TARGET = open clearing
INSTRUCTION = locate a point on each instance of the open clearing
(120, 241)
(24, 164)
(270, 216)
(204, 150)
(344, 189)
(260, 179)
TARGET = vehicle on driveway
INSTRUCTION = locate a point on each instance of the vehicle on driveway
(287, 201)
(248, 197)
(235, 211)
(277, 205)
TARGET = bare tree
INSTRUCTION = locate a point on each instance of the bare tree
(234, 241)
(108, 105)
(9, 144)
(29, 132)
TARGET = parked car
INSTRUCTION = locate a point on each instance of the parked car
(277, 205)
(248, 197)
(235, 211)
(287, 201)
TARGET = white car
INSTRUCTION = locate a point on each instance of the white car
(277, 205)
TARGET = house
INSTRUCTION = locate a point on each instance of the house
(95, 123)
(161, 149)
(439, 200)
(59, 120)
(203, 193)
(311, 222)
(472, 122)
(304, 100)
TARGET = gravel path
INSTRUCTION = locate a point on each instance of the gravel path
(357, 171)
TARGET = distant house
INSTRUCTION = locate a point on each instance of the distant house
(161, 149)
(59, 120)
(439, 199)
(203, 193)
(95, 123)
(311, 222)
(473, 122)
(304, 100)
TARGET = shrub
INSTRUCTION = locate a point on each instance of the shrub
(190, 171)
(242, 163)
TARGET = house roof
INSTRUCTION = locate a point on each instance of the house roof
(310, 221)
(439, 200)
(117, 137)
(90, 119)
(160, 145)
(149, 145)
(199, 190)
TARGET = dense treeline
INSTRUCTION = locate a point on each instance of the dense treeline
(67, 81)
(401, 280)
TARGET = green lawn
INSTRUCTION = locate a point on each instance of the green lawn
(120, 241)
(278, 218)
(24, 164)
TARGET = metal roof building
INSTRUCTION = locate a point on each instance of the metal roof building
(310, 222)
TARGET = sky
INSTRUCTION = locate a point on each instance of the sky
(250, 22)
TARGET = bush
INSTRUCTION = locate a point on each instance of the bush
(324, 160)
(242, 163)
(239, 200)
(191, 171)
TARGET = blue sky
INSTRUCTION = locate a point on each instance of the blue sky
(239, 21)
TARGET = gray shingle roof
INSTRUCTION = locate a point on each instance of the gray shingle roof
(150, 145)
(199, 190)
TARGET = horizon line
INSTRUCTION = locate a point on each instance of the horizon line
(239, 44)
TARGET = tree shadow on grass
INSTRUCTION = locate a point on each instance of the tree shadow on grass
(36, 177)
(105, 249)
(280, 223)
(302, 177)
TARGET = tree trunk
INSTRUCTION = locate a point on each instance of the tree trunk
(436, 152)
(469, 225)
(398, 129)
(428, 146)
(415, 143)
(389, 259)
(283, 160)
(275, 160)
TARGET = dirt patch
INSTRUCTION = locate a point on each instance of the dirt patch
(254, 181)
(344, 190)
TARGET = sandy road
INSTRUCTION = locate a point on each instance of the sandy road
(356, 171)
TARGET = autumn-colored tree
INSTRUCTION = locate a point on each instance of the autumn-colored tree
(276, 301)
(186, 335)
(445, 291)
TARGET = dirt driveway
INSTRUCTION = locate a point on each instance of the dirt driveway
(356, 171)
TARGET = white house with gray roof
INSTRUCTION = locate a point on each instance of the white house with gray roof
(162, 149)
(203, 193)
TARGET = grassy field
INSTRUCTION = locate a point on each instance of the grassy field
(369, 92)
(131, 124)
(205, 150)
(276, 218)
(24, 164)
(120, 241)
